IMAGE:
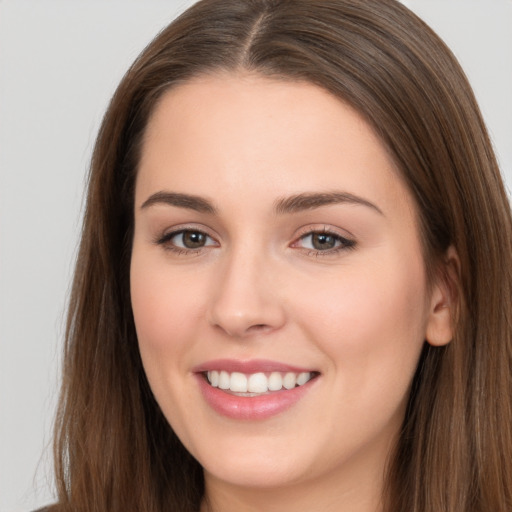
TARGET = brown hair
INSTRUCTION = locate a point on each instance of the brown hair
(114, 450)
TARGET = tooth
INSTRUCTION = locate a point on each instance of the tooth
(238, 382)
(290, 380)
(257, 383)
(224, 380)
(303, 377)
(275, 381)
(213, 377)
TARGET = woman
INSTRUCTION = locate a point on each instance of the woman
(294, 278)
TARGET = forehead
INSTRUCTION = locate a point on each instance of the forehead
(246, 134)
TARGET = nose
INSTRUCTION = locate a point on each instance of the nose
(246, 299)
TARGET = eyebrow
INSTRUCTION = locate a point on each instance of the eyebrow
(191, 202)
(309, 201)
(292, 204)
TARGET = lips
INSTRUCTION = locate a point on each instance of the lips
(252, 390)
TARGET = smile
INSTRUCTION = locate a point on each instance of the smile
(253, 390)
(255, 384)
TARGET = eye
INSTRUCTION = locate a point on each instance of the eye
(190, 239)
(324, 242)
(186, 240)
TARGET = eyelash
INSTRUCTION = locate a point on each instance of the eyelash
(165, 241)
(344, 243)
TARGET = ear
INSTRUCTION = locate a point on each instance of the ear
(444, 300)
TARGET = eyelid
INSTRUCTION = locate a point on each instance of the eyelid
(348, 241)
(323, 228)
(345, 242)
(176, 234)
(164, 238)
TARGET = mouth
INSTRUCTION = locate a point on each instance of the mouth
(253, 390)
(257, 384)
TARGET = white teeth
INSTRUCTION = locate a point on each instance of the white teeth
(238, 382)
(302, 378)
(224, 380)
(256, 382)
(213, 377)
(275, 381)
(289, 381)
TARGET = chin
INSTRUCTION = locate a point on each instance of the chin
(249, 473)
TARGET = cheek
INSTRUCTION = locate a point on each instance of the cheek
(165, 311)
(371, 323)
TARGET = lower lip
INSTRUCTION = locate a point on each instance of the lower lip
(251, 407)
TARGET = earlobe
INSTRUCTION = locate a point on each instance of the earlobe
(443, 301)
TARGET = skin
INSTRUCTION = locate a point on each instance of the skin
(259, 290)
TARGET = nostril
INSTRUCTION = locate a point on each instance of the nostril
(258, 328)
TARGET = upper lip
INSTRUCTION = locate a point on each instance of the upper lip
(248, 367)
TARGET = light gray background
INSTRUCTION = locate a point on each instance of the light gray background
(59, 64)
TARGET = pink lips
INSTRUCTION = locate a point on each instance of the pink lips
(250, 407)
(252, 366)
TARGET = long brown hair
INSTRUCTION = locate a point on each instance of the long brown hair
(114, 450)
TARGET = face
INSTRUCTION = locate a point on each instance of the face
(277, 282)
